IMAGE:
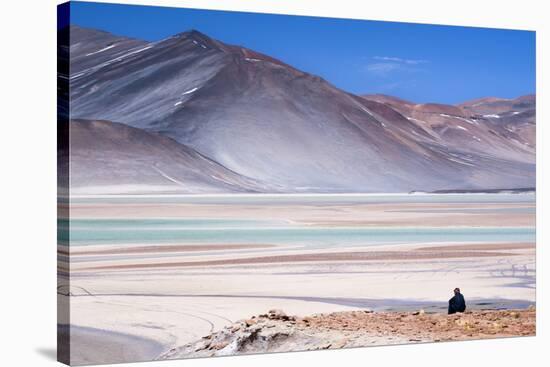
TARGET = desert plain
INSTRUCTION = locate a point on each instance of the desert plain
(153, 274)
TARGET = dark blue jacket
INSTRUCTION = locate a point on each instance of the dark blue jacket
(457, 304)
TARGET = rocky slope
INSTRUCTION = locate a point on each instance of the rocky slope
(277, 332)
(92, 49)
(287, 130)
(109, 157)
(497, 127)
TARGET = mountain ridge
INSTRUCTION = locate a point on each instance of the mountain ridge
(289, 130)
(115, 153)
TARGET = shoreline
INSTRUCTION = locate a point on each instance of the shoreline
(375, 305)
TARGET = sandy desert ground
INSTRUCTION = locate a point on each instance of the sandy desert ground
(168, 294)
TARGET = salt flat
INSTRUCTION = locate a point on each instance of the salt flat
(174, 290)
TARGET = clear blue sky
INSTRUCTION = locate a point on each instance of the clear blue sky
(422, 63)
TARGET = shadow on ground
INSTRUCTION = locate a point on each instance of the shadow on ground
(49, 353)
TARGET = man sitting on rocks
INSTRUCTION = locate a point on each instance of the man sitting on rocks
(457, 303)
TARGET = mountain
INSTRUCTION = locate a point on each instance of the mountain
(281, 129)
(492, 105)
(516, 116)
(490, 126)
(109, 157)
(92, 48)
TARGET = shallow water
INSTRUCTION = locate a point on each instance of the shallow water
(145, 231)
(228, 231)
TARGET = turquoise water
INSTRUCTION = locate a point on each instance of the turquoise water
(227, 231)
(144, 231)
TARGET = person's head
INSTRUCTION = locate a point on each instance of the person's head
(457, 290)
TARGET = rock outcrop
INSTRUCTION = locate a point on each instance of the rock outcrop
(277, 332)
